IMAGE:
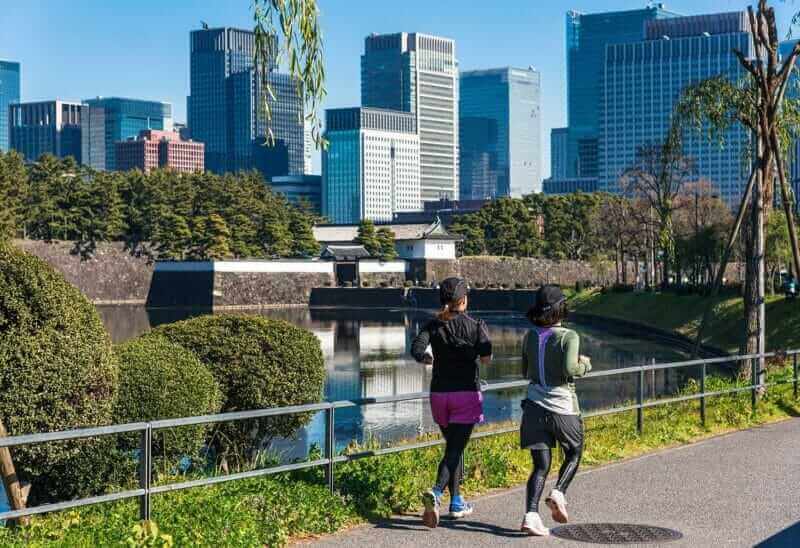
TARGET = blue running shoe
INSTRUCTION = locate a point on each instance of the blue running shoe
(459, 508)
(430, 517)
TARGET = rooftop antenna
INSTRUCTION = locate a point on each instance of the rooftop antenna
(204, 25)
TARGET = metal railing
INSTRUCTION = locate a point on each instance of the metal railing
(146, 490)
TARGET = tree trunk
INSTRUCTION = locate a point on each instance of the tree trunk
(750, 340)
(16, 493)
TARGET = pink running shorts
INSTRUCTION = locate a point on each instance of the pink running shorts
(457, 407)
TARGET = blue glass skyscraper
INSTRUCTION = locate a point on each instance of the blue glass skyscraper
(225, 110)
(106, 120)
(587, 36)
(499, 133)
(9, 93)
(643, 82)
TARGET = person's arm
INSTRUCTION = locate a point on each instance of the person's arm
(576, 365)
(420, 346)
(484, 344)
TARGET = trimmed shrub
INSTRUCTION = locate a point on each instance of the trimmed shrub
(259, 363)
(159, 379)
(57, 372)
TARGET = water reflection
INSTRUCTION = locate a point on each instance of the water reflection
(367, 355)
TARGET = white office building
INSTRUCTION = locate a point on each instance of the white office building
(370, 169)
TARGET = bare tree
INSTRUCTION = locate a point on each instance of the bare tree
(660, 172)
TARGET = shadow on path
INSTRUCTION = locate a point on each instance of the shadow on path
(414, 523)
(788, 538)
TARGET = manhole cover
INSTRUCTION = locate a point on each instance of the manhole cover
(615, 533)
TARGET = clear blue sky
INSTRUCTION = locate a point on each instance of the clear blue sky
(76, 49)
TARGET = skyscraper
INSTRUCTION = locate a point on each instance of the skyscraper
(418, 73)
(588, 35)
(558, 152)
(226, 113)
(370, 169)
(499, 133)
(106, 120)
(9, 93)
(46, 127)
(643, 82)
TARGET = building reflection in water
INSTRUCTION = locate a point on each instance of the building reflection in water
(367, 355)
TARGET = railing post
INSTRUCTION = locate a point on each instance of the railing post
(330, 445)
(145, 471)
(754, 384)
(794, 374)
(703, 395)
(639, 402)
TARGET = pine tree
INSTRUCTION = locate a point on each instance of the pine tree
(217, 238)
(13, 193)
(368, 238)
(303, 243)
(386, 239)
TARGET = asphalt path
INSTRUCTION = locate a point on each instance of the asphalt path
(740, 489)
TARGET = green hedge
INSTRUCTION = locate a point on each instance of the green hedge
(57, 372)
(162, 380)
(259, 363)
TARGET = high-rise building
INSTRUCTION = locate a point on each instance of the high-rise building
(46, 127)
(370, 169)
(588, 35)
(159, 149)
(643, 82)
(9, 94)
(553, 186)
(106, 120)
(499, 133)
(558, 152)
(299, 189)
(418, 73)
(226, 111)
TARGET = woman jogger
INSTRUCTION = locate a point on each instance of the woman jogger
(458, 342)
(550, 360)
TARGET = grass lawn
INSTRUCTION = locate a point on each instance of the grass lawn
(683, 314)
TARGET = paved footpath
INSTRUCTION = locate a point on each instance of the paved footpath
(741, 489)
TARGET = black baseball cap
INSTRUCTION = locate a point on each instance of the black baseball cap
(452, 289)
(547, 298)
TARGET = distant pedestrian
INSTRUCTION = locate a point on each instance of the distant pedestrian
(457, 343)
(550, 360)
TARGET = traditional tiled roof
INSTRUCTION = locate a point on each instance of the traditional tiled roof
(402, 232)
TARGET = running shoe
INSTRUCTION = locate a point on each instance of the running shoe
(430, 517)
(533, 526)
(460, 509)
(558, 506)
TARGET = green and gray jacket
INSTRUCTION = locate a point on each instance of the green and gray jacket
(552, 360)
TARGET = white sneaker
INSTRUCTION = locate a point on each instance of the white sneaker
(558, 505)
(532, 524)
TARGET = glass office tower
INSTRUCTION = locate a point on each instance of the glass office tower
(418, 73)
(643, 83)
(106, 120)
(9, 93)
(46, 127)
(587, 36)
(225, 110)
(499, 133)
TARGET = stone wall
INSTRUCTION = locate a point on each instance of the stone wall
(241, 289)
(375, 279)
(111, 276)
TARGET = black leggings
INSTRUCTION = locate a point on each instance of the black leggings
(541, 467)
(452, 466)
